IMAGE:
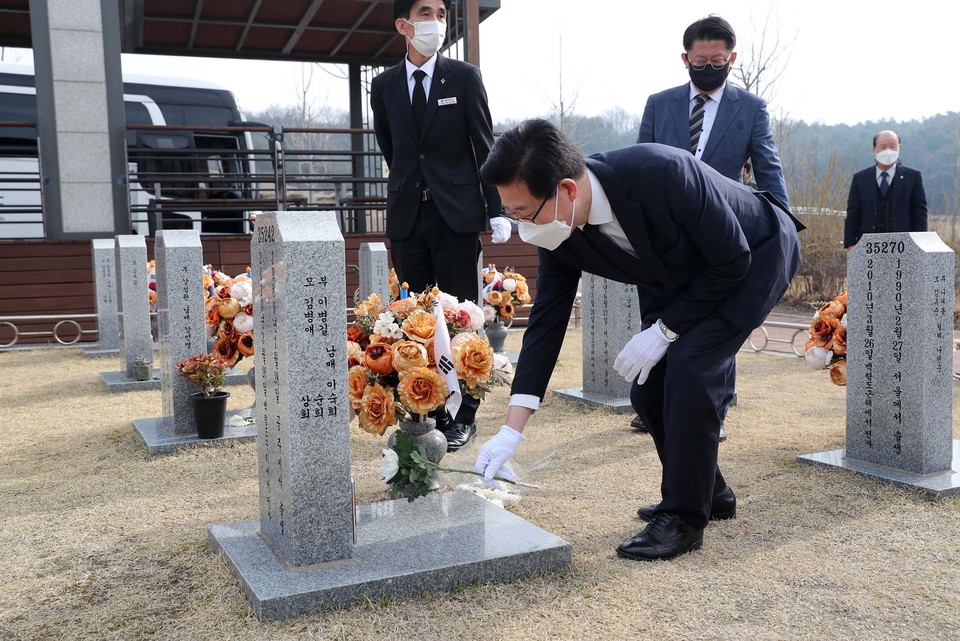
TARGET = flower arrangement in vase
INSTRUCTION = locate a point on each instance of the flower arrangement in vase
(503, 292)
(393, 350)
(229, 314)
(827, 346)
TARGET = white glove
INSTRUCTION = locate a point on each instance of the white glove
(641, 353)
(501, 229)
(497, 451)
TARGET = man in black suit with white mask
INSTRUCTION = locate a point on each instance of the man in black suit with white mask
(434, 128)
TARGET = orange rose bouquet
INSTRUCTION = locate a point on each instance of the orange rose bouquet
(391, 351)
(229, 314)
(503, 293)
(827, 347)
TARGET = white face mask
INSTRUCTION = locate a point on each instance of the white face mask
(428, 36)
(550, 235)
(887, 156)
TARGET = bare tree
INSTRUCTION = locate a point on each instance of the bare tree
(762, 65)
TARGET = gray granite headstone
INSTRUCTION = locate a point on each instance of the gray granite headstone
(303, 412)
(134, 304)
(181, 325)
(105, 286)
(900, 361)
(311, 547)
(374, 271)
(611, 317)
(180, 320)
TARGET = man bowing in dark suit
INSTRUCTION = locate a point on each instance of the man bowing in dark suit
(433, 126)
(710, 258)
(887, 197)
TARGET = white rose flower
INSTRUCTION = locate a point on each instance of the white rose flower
(818, 357)
(475, 313)
(389, 465)
(447, 302)
(489, 313)
(242, 292)
(843, 321)
(509, 285)
(243, 323)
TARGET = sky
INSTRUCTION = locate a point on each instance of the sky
(845, 61)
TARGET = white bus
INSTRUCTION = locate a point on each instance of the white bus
(193, 163)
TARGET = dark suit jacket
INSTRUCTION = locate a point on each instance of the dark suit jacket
(446, 156)
(909, 203)
(741, 130)
(705, 245)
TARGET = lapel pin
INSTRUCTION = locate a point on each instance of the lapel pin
(443, 81)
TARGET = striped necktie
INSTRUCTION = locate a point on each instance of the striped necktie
(696, 121)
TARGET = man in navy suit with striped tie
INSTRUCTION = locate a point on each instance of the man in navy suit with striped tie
(722, 125)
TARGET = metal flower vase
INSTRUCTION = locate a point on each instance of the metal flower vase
(497, 335)
(426, 435)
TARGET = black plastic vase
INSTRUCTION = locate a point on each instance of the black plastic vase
(209, 413)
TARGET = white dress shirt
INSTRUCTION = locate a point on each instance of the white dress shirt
(427, 68)
(601, 215)
(890, 173)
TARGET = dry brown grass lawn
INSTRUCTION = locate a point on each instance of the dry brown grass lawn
(101, 541)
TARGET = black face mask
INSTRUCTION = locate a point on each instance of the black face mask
(708, 78)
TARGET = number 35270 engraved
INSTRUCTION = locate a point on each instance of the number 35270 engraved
(885, 247)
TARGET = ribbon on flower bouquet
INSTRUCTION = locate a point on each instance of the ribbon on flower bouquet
(441, 352)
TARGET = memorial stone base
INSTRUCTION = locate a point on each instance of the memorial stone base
(619, 404)
(160, 440)
(120, 382)
(95, 351)
(937, 485)
(435, 544)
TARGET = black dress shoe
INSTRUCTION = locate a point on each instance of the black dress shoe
(724, 507)
(665, 537)
(638, 424)
(458, 435)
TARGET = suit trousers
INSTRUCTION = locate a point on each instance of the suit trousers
(682, 405)
(434, 254)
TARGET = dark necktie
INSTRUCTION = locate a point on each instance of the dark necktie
(884, 183)
(696, 121)
(419, 98)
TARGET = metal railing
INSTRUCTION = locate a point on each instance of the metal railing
(215, 179)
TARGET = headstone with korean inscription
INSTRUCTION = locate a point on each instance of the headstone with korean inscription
(312, 546)
(900, 305)
(105, 286)
(302, 407)
(136, 341)
(374, 271)
(180, 321)
(611, 317)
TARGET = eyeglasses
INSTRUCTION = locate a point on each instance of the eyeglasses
(716, 63)
(517, 219)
